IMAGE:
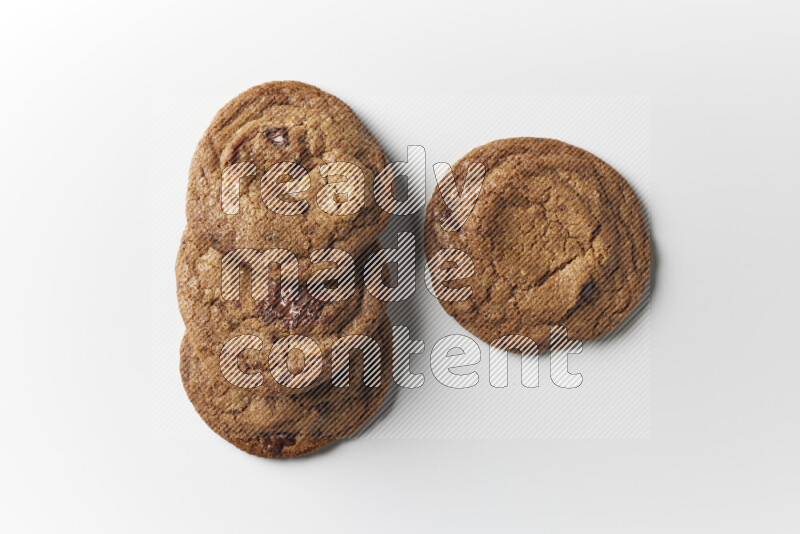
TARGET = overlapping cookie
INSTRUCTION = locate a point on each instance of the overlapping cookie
(282, 425)
(285, 350)
(556, 237)
(320, 314)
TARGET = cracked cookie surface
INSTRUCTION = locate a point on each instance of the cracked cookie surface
(557, 238)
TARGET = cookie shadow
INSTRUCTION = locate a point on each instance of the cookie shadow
(383, 412)
(406, 312)
(643, 306)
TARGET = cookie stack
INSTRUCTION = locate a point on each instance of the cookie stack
(279, 357)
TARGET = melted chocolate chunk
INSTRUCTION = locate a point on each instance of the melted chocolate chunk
(278, 136)
(289, 314)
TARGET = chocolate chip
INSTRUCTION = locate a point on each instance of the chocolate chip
(588, 292)
(278, 136)
(304, 310)
(297, 313)
(275, 443)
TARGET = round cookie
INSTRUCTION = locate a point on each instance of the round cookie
(285, 425)
(557, 238)
(213, 321)
(268, 203)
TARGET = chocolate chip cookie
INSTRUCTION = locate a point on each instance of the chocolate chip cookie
(556, 238)
(286, 165)
(282, 425)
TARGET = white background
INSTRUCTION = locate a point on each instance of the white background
(77, 451)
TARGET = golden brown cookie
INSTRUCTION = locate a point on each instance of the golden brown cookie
(286, 165)
(557, 238)
(285, 424)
